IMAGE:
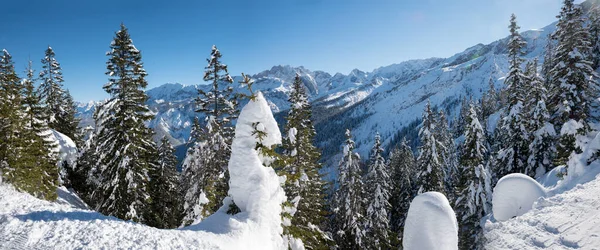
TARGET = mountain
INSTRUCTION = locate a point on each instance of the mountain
(388, 100)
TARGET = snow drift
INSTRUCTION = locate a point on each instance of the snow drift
(29, 223)
(514, 195)
(430, 224)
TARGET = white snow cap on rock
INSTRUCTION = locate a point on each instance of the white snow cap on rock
(430, 224)
(514, 195)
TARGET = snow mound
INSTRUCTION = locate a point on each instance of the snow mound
(514, 195)
(568, 220)
(256, 189)
(67, 150)
(430, 224)
(30, 223)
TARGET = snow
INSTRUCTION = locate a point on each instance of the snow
(67, 150)
(256, 189)
(430, 224)
(565, 220)
(570, 127)
(29, 223)
(514, 195)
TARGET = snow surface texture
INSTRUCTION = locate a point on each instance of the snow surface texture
(566, 220)
(29, 223)
(431, 224)
(514, 195)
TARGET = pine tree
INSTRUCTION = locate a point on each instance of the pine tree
(403, 171)
(512, 156)
(430, 173)
(83, 175)
(473, 200)
(220, 107)
(459, 124)
(490, 101)
(35, 169)
(193, 178)
(594, 30)
(548, 63)
(542, 146)
(377, 186)
(124, 147)
(11, 125)
(51, 87)
(165, 204)
(573, 78)
(67, 121)
(304, 186)
(447, 153)
(10, 118)
(348, 204)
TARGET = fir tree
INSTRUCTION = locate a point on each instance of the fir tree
(124, 147)
(348, 204)
(430, 173)
(594, 30)
(573, 79)
(447, 153)
(51, 87)
(512, 156)
(220, 107)
(193, 179)
(304, 187)
(473, 200)
(165, 204)
(10, 117)
(490, 101)
(35, 170)
(377, 186)
(542, 146)
(402, 167)
(67, 121)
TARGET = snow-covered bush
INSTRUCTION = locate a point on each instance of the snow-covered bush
(514, 195)
(430, 224)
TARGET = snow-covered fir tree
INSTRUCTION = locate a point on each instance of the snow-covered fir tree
(573, 79)
(473, 199)
(594, 30)
(192, 178)
(59, 104)
(430, 172)
(348, 204)
(165, 208)
(448, 153)
(541, 130)
(402, 166)
(206, 192)
(513, 152)
(377, 187)
(10, 115)
(304, 186)
(124, 147)
(490, 102)
(36, 171)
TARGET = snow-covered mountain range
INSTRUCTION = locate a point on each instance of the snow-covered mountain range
(385, 100)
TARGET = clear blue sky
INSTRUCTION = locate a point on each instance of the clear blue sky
(332, 35)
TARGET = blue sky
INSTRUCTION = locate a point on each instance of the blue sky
(175, 36)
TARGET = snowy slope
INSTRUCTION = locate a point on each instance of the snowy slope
(567, 220)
